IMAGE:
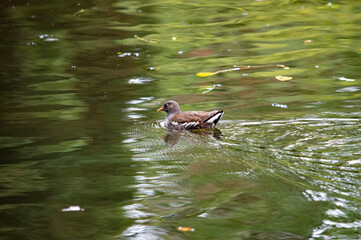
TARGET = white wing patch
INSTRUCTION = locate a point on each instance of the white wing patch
(185, 125)
(215, 117)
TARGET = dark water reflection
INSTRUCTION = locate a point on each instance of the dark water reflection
(83, 155)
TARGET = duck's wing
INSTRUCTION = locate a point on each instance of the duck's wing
(195, 119)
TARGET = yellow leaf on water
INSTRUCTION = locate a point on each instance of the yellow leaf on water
(283, 78)
(185, 229)
(205, 74)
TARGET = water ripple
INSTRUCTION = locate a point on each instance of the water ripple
(319, 155)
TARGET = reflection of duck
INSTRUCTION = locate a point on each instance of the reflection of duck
(178, 120)
(172, 138)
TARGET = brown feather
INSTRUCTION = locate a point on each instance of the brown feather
(194, 116)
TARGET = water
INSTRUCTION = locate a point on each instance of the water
(83, 153)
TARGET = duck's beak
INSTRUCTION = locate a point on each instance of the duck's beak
(160, 109)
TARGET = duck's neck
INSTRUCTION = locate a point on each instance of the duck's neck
(170, 116)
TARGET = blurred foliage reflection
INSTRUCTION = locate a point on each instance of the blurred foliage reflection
(83, 155)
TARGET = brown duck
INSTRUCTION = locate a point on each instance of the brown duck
(178, 120)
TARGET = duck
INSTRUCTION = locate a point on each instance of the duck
(178, 120)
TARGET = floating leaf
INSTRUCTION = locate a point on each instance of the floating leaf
(144, 40)
(206, 74)
(283, 78)
(79, 12)
(186, 229)
(282, 66)
(210, 88)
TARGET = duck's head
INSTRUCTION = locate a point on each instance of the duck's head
(170, 107)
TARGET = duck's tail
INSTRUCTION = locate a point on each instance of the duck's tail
(214, 118)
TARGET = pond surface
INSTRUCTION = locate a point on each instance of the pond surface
(83, 153)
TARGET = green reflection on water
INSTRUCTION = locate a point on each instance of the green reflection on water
(76, 133)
